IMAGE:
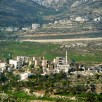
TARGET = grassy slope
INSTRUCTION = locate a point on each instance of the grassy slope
(24, 48)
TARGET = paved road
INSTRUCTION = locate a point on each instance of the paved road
(64, 40)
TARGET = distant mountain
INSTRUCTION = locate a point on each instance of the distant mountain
(56, 4)
(25, 12)
(87, 6)
(59, 4)
(77, 6)
(22, 12)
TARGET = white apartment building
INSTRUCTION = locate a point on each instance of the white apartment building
(15, 64)
(21, 60)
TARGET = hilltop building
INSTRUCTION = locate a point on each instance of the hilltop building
(9, 29)
(26, 28)
(79, 19)
(98, 19)
(35, 26)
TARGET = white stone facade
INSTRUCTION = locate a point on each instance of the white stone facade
(16, 64)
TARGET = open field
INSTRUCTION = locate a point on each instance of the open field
(92, 53)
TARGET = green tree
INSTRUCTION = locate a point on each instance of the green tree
(90, 97)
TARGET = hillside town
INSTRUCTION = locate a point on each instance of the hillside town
(46, 67)
(15, 29)
(73, 23)
(51, 51)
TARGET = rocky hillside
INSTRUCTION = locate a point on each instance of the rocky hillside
(25, 12)
(73, 4)
(56, 4)
(78, 7)
(22, 12)
(87, 6)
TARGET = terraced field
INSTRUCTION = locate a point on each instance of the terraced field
(60, 36)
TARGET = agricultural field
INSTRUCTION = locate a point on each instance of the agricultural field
(56, 35)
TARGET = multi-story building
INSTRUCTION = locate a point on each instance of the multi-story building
(61, 64)
(23, 59)
(37, 61)
(15, 64)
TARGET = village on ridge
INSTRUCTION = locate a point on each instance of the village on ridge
(59, 64)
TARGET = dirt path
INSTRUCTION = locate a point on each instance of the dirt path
(64, 40)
